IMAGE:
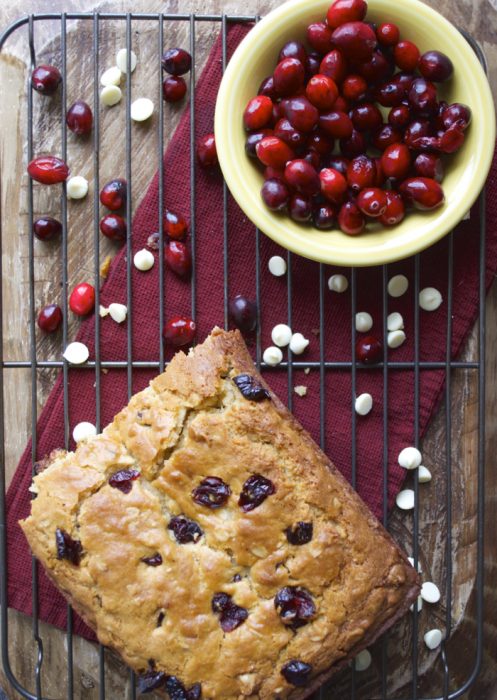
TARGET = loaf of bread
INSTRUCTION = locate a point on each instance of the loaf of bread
(208, 540)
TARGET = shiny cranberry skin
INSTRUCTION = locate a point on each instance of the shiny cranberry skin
(275, 194)
(288, 77)
(301, 114)
(333, 185)
(322, 91)
(175, 225)
(253, 139)
(361, 173)
(416, 129)
(300, 208)
(376, 69)
(46, 228)
(178, 258)
(293, 49)
(356, 40)
(50, 318)
(312, 64)
(287, 133)
(369, 350)
(336, 124)
(429, 165)
(295, 606)
(314, 158)
(386, 136)
(273, 173)
(354, 145)
(212, 492)
(113, 194)
(406, 55)
(176, 61)
(452, 140)
(339, 163)
(82, 299)
(366, 117)
(388, 34)
(267, 87)
(396, 161)
(113, 226)
(399, 116)
(334, 65)
(46, 79)
(405, 79)
(243, 313)
(422, 193)
(456, 113)
(206, 151)
(254, 492)
(390, 93)
(395, 210)
(321, 143)
(49, 170)
(423, 97)
(436, 66)
(351, 219)
(79, 118)
(173, 88)
(179, 331)
(372, 201)
(354, 88)
(258, 113)
(319, 37)
(302, 177)
(296, 672)
(324, 217)
(300, 533)
(274, 152)
(380, 175)
(342, 11)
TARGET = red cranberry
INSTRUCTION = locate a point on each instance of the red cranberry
(380, 175)
(386, 136)
(50, 318)
(395, 211)
(322, 91)
(405, 79)
(300, 533)
(293, 49)
(388, 34)
(429, 165)
(333, 185)
(372, 201)
(366, 117)
(361, 173)
(179, 331)
(212, 492)
(267, 88)
(173, 88)
(175, 225)
(295, 606)
(275, 194)
(423, 97)
(178, 258)
(314, 158)
(336, 124)
(422, 192)
(396, 161)
(369, 350)
(113, 194)
(302, 177)
(288, 76)
(67, 547)
(82, 299)
(253, 139)
(354, 145)
(312, 64)
(452, 140)
(206, 151)
(319, 37)
(254, 492)
(296, 672)
(356, 40)
(287, 133)
(406, 55)
(341, 104)
(258, 113)
(185, 530)
(300, 208)
(49, 170)
(342, 11)
(46, 79)
(334, 66)
(390, 93)
(79, 118)
(417, 129)
(243, 313)
(273, 173)
(399, 116)
(274, 152)
(436, 66)
(324, 217)
(351, 219)
(176, 61)
(339, 163)
(456, 113)
(376, 69)
(113, 226)
(46, 228)
(301, 114)
(354, 88)
(321, 143)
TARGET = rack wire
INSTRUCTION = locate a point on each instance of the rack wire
(97, 20)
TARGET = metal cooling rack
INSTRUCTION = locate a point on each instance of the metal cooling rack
(101, 20)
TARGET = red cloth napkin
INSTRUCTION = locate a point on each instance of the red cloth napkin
(305, 318)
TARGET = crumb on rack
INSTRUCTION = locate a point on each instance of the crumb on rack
(105, 266)
(300, 390)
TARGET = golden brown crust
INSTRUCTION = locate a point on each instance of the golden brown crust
(190, 423)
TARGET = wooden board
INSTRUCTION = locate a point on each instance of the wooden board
(478, 17)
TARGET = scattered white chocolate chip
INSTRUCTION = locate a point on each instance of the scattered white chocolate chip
(307, 370)
(118, 312)
(83, 430)
(122, 60)
(430, 592)
(143, 260)
(281, 335)
(396, 339)
(77, 187)
(103, 311)
(419, 605)
(272, 356)
(112, 76)
(338, 283)
(430, 299)
(409, 458)
(76, 353)
(363, 322)
(405, 499)
(363, 404)
(424, 475)
(395, 322)
(398, 286)
(141, 109)
(277, 266)
(363, 660)
(411, 561)
(110, 95)
(433, 638)
(300, 390)
(298, 343)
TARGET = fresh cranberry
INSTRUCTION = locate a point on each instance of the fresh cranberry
(390, 93)
(334, 66)
(354, 88)
(313, 158)
(258, 113)
(319, 37)
(173, 88)
(67, 547)
(339, 163)
(113, 194)
(287, 133)
(312, 64)
(354, 145)
(274, 152)
(376, 69)
(176, 61)
(406, 55)
(267, 87)
(301, 114)
(380, 177)
(206, 151)
(416, 130)
(399, 116)
(436, 66)
(154, 560)
(185, 530)
(351, 219)
(255, 491)
(372, 201)
(366, 117)
(46, 228)
(429, 165)
(49, 170)
(178, 258)
(243, 313)
(114, 227)
(212, 492)
(175, 225)
(324, 217)
(423, 97)
(322, 91)
(395, 211)
(386, 136)
(275, 194)
(82, 299)
(396, 161)
(253, 139)
(179, 331)
(361, 173)
(336, 124)
(452, 140)
(79, 118)
(422, 192)
(293, 49)
(302, 177)
(456, 113)
(388, 34)
(50, 318)
(288, 76)
(300, 533)
(333, 185)
(296, 672)
(295, 606)
(356, 40)
(405, 79)
(231, 615)
(250, 388)
(273, 173)
(300, 208)
(369, 350)
(46, 79)
(321, 143)
(123, 479)
(342, 11)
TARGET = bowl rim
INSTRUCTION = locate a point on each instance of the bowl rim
(440, 226)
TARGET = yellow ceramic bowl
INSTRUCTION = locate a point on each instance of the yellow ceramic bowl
(466, 171)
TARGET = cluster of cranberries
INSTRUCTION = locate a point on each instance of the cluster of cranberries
(176, 62)
(317, 128)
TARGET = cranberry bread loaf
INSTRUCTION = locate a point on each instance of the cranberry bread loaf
(207, 539)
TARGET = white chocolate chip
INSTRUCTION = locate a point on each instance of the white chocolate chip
(363, 404)
(395, 322)
(277, 266)
(76, 187)
(83, 430)
(112, 76)
(424, 475)
(430, 299)
(430, 592)
(298, 343)
(411, 561)
(433, 638)
(143, 260)
(363, 322)
(396, 339)
(419, 605)
(363, 660)
(122, 60)
(398, 286)
(103, 311)
(281, 335)
(118, 312)
(110, 95)
(141, 109)
(338, 283)
(272, 356)
(405, 499)
(307, 370)
(300, 390)
(410, 458)
(76, 353)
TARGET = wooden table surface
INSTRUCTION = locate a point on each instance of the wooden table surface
(479, 17)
